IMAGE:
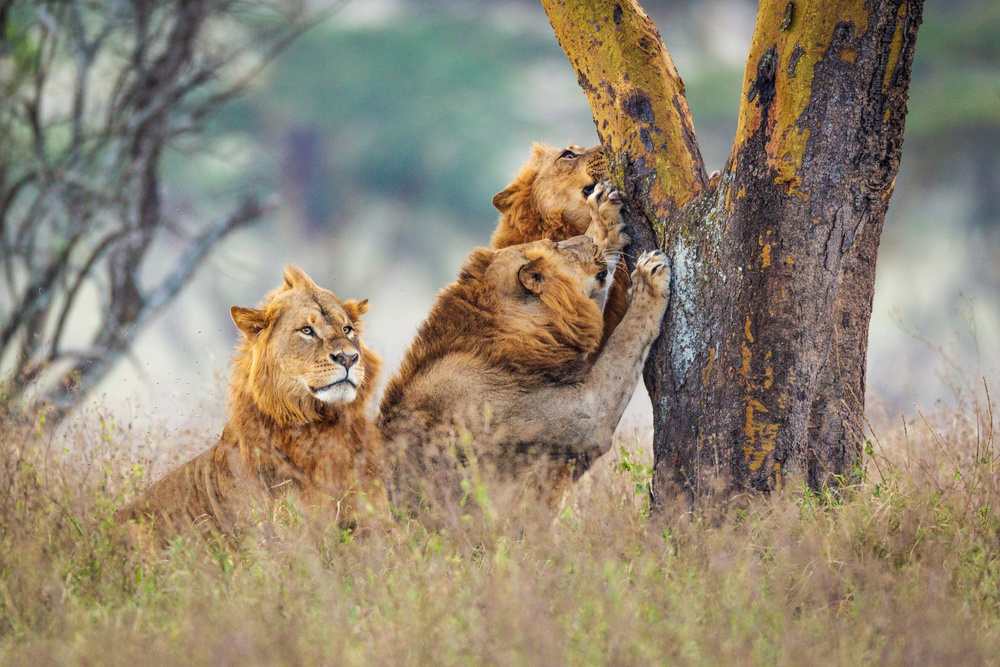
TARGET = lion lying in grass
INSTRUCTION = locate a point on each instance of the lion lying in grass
(550, 198)
(298, 426)
(499, 372)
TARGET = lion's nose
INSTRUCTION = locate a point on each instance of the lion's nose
(345, 359)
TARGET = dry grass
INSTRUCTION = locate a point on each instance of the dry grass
(902, 569)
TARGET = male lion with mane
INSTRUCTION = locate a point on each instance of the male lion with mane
(298, 425)
(501, 373)
(551, 198)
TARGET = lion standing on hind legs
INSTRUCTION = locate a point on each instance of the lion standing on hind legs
(299, 423)
(505, 375)
(550, 198)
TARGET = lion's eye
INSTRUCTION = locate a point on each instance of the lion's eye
(308, 331)
(348, 330)
(567, 155)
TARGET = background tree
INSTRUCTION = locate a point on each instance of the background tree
(760, 370)
(93, 94)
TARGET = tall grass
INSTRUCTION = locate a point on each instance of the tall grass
(901, 569)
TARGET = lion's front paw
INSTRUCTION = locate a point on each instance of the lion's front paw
(652, 275)
(606, 226)
(605, 198)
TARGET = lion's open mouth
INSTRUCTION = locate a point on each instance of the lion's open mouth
(589, 190)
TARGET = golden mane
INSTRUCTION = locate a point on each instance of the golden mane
(283, 436)
(473, 315)
(547, 198)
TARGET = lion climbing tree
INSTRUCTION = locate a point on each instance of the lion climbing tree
(759, 373)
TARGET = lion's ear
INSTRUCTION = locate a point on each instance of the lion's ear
(503, 200)
(355, 309)
(531, 275)
(249, 321)
(296, 278)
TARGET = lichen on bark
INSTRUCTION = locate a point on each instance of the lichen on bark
(759, 371)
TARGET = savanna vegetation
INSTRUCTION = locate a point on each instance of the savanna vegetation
(902, 568)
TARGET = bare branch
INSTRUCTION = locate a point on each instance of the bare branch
(81, 200)
(32, 302)
(96, 364)
(84, 273)
(249, 211)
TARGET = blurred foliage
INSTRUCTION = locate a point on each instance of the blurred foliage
(421, 107)
(416, 111)
(389, 128)
(93, 94)
(955, 78)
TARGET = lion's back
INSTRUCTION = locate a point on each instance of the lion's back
(205, 494)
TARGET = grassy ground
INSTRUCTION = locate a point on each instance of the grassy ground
(902, 569)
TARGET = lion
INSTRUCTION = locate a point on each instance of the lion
(499, 372)
(551, 198)
(299, 423)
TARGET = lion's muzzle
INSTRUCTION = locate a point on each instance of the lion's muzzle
(339, 383)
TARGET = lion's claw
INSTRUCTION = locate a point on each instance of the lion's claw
(604, 194)
(652, 274)
(606, 227)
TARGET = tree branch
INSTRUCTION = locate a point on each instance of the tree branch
(79, 184)
(110, 347)
(34, 295)
(249, 211)
(637, 99)
(81, 275)
(792, 42)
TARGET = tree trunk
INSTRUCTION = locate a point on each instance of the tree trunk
(759, 373)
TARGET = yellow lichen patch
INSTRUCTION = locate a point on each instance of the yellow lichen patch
(895, 49)
(707, 371)
(849, 56)
(792, 182)
(765, 256)
(634, 91)
(796, 52)
(760, 436)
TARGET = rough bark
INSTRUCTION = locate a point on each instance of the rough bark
(759, 371)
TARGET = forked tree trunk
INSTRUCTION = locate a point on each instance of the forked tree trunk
(760, 370)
